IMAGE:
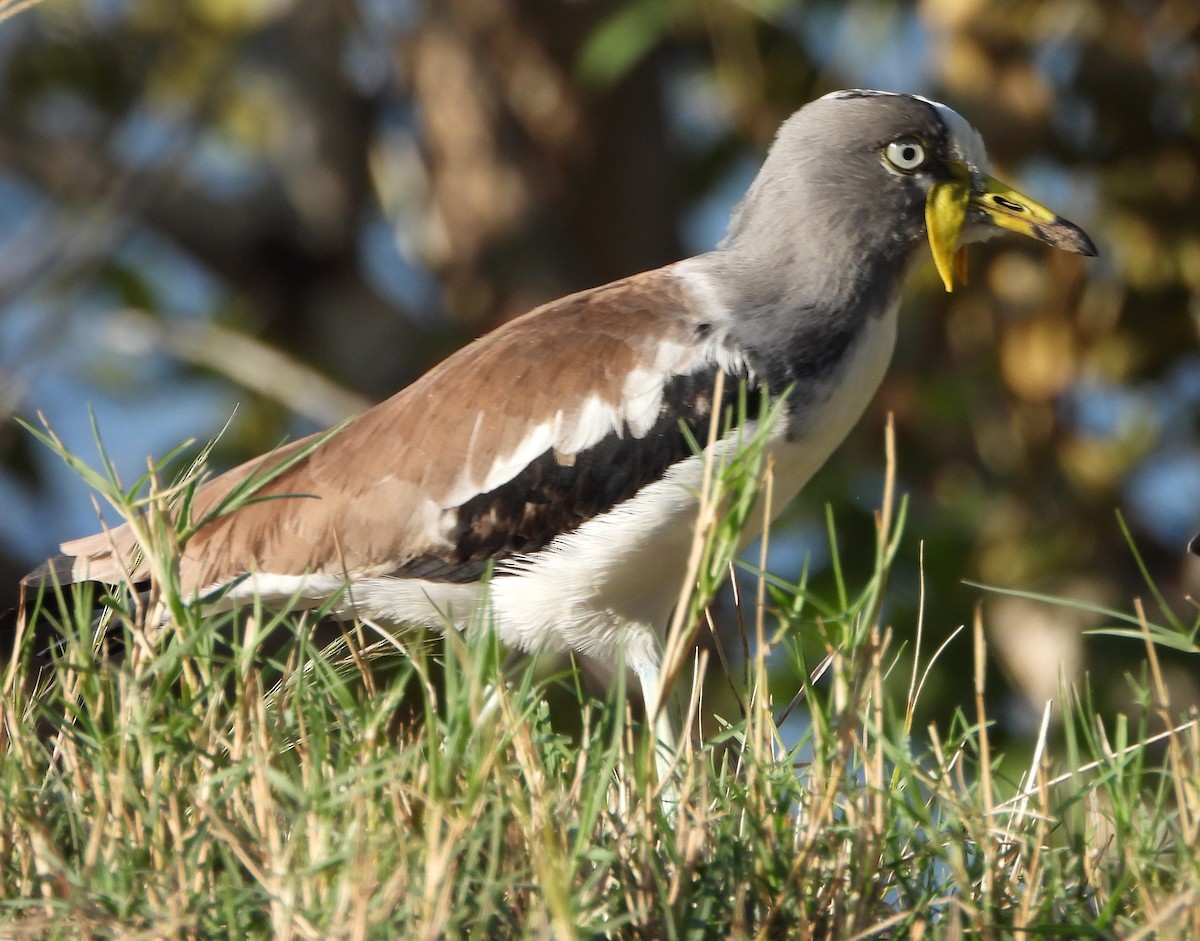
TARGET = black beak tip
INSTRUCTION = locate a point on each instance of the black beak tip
(1071, 238)
(1086, 245)
(1193, 545)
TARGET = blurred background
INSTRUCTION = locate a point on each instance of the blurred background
(272, 213)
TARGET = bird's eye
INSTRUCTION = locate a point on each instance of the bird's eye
(906, 154)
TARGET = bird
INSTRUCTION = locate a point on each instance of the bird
(549, 468)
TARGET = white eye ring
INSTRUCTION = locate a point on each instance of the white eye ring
(906, 154)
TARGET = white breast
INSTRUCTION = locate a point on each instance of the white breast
(836, 407)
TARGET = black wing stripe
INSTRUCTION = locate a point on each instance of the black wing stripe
(550, 497)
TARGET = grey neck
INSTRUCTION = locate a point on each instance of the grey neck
(796, 313)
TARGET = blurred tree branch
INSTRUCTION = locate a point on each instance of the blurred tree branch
(243, 360)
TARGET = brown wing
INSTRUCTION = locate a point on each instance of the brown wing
(372, 498)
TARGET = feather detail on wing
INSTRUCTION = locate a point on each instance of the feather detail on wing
(553, 418)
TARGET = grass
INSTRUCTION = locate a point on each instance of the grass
(204, 776)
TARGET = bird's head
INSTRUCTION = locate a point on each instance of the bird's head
(872, 172)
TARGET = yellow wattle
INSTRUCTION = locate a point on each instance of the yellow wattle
(945, 213)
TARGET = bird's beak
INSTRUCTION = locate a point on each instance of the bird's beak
(988, 202)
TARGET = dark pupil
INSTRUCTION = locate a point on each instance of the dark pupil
(909, 154)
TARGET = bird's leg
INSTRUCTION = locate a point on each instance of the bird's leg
(658, 716)
(508, 671)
